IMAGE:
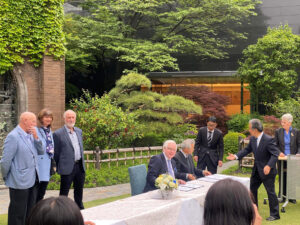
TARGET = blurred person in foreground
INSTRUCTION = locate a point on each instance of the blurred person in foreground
(184, 162)
(56, 211)
(264, 170)
(228, 202)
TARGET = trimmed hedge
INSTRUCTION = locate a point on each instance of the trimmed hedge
(231, 142)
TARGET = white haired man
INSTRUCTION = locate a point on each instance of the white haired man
(69, 157)
(184, 162)
(162, 163)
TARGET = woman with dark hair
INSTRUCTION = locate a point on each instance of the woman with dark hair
(55, 211)
(228, 202)
(46, 162)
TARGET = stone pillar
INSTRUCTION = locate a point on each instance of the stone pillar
(42, 87)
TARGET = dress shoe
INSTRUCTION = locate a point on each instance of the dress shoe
(272, 218)
(292, 201)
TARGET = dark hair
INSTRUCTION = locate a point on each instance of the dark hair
(43, 113)
(228, 202)
(55, 211)
(256, 124)
(212, 119)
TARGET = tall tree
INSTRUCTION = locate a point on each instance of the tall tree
(270, 66)
(145, 35)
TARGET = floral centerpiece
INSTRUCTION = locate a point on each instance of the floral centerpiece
(166, 184)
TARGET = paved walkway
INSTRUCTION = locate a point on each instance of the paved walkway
(89, 194)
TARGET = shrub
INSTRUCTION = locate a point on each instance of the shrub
(212, 103)
(239, 122)
(231, 142)
(271, 123)
(103, 123)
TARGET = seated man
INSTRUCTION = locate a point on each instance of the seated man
(162, 163)
(184, 162)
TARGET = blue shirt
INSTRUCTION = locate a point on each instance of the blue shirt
(75, 143)
(287, 142)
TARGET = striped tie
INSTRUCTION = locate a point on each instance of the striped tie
(209, 138)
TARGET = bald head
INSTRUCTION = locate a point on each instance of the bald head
(27, 121)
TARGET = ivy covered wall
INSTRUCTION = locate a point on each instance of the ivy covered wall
(29, 29)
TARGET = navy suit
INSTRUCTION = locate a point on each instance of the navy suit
(156, 167)
(69, 170)
(186, 166)
(265, 154)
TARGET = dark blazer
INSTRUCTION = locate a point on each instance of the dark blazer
(183, 167)
(295, 140)
(266, 154)
(216, 149)
(156, 167)
(64, 151)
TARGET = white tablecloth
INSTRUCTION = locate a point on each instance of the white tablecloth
(185, 208)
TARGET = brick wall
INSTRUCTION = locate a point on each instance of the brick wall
(44, 87)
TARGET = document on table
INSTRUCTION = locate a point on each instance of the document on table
(190, 186)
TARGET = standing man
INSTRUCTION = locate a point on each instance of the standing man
(264, 171)
(19, 168)
(69, 157)
(209, 147)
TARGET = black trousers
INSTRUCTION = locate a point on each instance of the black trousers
(41, 190)
(21, 202)
(269, 183)
(207, 162)
(77, 177)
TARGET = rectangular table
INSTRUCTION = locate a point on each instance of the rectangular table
(185, 208)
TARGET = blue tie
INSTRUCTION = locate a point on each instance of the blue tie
(170, 170)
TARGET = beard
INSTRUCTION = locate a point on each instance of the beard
(70, 125)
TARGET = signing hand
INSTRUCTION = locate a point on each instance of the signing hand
(33, 132)
(181, 181)
(281, 154)
(267, 169)
(220, 163)
(196, 158)
(191, 177)
(206, 173)
(231, 157)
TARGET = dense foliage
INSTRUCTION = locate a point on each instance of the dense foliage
(148, 35)
(212, 104)
(270, 66)
(161, 115)
(30, 29)
(103, 123)
(231, 143)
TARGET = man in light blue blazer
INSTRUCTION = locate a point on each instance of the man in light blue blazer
(69, 157)
(19, 167)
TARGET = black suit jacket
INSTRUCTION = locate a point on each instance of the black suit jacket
(64, 151)
(156, 167)
(295, 140)
(183, 168)
(216, 150)
(266, 154)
